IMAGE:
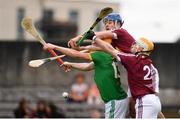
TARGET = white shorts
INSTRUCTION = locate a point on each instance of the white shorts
(116, 108)
(148, 106)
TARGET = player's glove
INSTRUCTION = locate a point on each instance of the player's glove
(90, 34)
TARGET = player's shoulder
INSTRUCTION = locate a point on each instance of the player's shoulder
(121, 33)
(120, 30)
(144, 57)
(100, 55)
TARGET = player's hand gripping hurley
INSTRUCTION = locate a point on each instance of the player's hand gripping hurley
(28, 25)
(104, 12)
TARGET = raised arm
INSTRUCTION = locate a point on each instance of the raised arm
(68, 51)
(80, 66)
(102, 35)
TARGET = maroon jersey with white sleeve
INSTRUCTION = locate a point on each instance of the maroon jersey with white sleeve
(142, 75)
(122, 40)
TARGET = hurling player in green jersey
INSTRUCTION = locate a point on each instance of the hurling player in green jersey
(107, 78)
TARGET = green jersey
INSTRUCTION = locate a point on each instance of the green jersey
(107, 77)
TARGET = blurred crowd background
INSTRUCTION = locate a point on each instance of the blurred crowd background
(37, 92)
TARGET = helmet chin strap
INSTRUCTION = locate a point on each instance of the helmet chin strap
(144, 52)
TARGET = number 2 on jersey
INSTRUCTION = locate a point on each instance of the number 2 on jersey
(147, 76)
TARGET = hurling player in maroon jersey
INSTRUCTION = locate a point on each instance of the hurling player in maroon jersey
(121, 39)
(142, 75)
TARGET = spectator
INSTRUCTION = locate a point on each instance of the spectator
(54, 111)
(23, 110)
(95, 114)
(94, 95)
(79, 90)
(40, 111)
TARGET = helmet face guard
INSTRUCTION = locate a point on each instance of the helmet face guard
(146, 44)
(116, 18)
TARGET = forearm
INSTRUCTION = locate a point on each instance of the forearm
(68, 52)
(161, 115)
(82, 66)
(106, 47)
(90, 48)
(101, 34)
(104, 35)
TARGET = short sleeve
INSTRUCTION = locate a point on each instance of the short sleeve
(117, 34)
(121, 58)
